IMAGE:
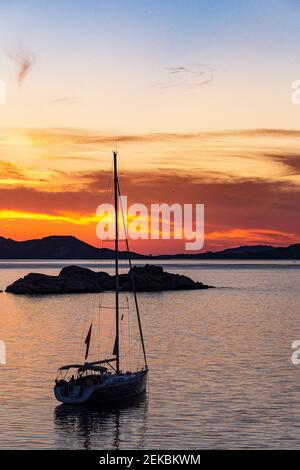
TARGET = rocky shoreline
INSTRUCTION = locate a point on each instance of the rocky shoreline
(75, 280)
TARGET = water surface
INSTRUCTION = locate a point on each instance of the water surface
(221, 373)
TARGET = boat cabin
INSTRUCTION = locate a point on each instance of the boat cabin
(84, 374)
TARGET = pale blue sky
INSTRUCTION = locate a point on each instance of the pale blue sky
(102, 63)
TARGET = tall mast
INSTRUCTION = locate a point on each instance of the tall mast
(117, 348)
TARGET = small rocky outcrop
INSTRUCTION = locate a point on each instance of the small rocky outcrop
(75, 279)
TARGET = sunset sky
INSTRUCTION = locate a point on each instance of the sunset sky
(197, 94)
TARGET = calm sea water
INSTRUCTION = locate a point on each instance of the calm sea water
(221, 372)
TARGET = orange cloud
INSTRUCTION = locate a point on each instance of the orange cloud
(236, 212)
(253, 236)
(248, 181)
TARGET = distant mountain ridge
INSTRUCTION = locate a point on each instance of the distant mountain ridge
(69, 247)
(255, 252)
(56, 247)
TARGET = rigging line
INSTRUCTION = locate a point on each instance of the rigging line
(111, 308)
(134, 349)
(99, 327)
(84, 323)
(106, 192)
(112, 326)
(136, 342)
(107, 198)
(132, 278)
(139, 357)
(100, 330)
(74, 321)
(128, 331)
(88, 316)
(123, 345)
(94, 296)
(116, 204)
(94, 305)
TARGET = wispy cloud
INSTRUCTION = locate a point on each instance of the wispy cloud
(185, 77)
(73, 157)
(236, 155)
(24, 61)
(10, 170)
(291, 162)
(78, 136)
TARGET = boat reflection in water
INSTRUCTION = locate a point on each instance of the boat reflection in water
(111, 427)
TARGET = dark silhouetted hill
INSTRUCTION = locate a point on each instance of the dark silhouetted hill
(69, 247)
(56, 247)
(257, 252)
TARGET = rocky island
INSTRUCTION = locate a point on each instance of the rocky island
(75, 280)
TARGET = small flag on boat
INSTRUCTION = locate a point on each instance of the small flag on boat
(115, 351)
(87, 341)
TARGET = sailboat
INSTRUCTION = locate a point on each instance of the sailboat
(103, 382)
